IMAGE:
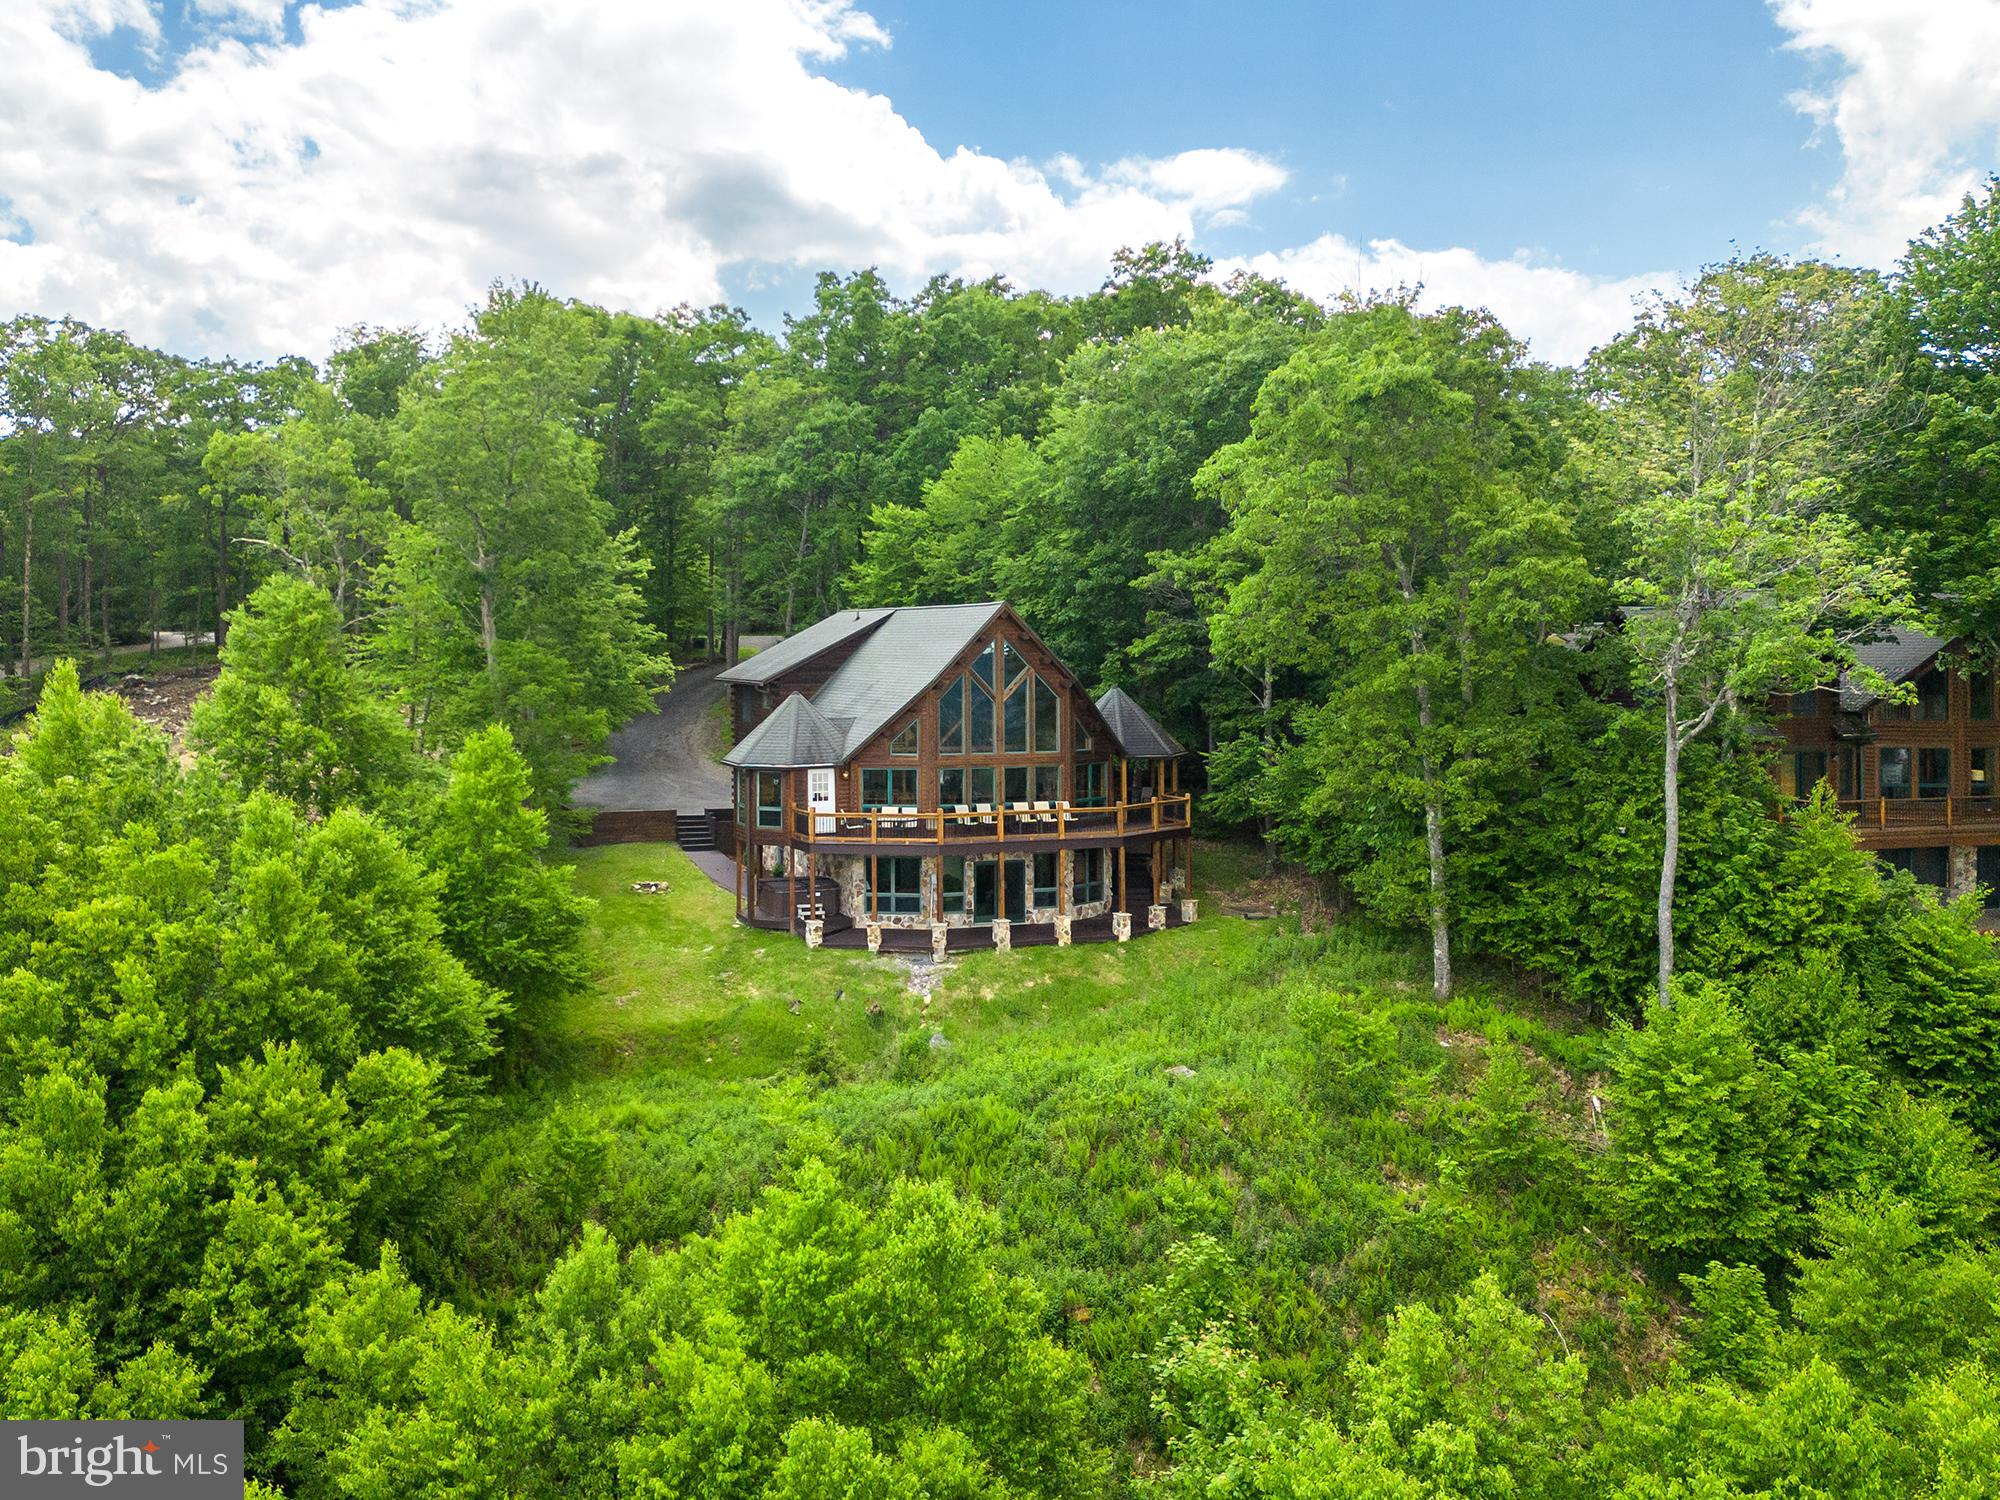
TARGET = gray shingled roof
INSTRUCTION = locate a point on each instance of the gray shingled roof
(1139, 736)
(795, 734)
(903, 655)
(1896, 656)
(793, 650)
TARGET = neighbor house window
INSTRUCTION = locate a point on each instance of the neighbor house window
(1850, 773)
(1045, 880)
(1048, 783)
(1892, 771)
(1981, 767)
(1980, 685)
(770, 799)
(883, 787)
(1934, 695)
(906, 742)
(1800, 772)
(1090, 865)
(1806, 704)
(1934, 773)
(897, 888)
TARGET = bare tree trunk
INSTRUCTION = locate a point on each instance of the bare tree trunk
(489, 631)
(221, 568)
(1434, 848)
(1670, 854)
(27, 584)
(1267, 823)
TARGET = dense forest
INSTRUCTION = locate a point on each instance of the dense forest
(291, 1125)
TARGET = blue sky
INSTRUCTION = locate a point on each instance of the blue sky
(1610, 136)
(249, 176)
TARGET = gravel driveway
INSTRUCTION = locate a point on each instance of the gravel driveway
(667, 759)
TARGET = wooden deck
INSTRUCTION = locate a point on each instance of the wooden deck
(978, 937)
(951, 832)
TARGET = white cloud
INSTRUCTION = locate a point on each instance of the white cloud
(1916, 109)
(402, 155)
(1562, 313)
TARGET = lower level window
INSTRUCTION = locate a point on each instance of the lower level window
(951, 881)
(899, 887)
(1090, 865)
(1045, 880)
(1928, 865)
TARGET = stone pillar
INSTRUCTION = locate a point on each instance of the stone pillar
(815, 932)
(1062, 930)
(1187, 909)
(1962, 874)
(1156, 918)
(1121, 925)
(939, 935)
(874, 937)
(1003, 934)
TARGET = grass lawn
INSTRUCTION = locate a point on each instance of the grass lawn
(1106, 1101)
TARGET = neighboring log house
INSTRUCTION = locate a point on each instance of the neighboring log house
(939, 769)
(1919, 776)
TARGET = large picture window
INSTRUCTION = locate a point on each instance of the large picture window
(1048, 784)
(951, 788)
(898, 886)
(979, 782)
(1015, 717)
(1048, 718)
(905, 743)
(978, 718)
(1017, 784)
(1090, 784)
(883, 787)
(951, 719)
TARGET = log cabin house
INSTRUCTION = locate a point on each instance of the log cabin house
(937, 775)
(1919, 777)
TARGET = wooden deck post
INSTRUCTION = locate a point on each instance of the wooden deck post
(1154, 860)
(1064, 867)
(791, 895)
(812, 878)
(1000, 885)
(874, 887)
(1124, 890)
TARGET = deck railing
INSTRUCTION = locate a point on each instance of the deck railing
(1942, 813)
(1009, 823)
